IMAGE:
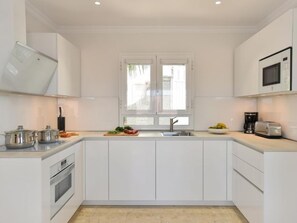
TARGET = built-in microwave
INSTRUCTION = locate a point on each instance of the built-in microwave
(275, 72)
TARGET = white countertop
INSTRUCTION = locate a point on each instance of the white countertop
(260, 144)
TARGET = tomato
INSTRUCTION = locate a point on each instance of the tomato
(130, 132)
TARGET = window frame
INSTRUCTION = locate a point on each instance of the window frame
(173, 59)
(156, 111)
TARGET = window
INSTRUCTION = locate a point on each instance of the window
(155, 88)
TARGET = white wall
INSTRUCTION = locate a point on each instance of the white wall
(33, 112)
(213, 75)
(282, 109)
(213, 58)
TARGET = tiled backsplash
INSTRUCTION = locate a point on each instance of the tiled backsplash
(229, 110)
(102, 113)
(33, 112)
(36, 112)
(282, 109)
(90, 113)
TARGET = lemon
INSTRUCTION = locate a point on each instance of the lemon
(219, 125)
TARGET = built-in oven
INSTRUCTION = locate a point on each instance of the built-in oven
(275, 72)
(61, 183)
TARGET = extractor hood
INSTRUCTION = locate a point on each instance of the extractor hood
(27, 71)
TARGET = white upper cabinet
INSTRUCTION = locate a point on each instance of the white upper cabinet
(66, 80)
(277, 36)
(12, 26)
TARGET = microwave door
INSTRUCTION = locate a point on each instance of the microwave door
(275, 72)
(271, 75)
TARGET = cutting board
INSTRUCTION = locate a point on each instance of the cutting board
(121, 134)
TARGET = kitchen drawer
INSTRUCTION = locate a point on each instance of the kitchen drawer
(252, 157)
(252, 174)
(248, 199)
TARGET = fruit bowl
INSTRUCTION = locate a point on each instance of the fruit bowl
(218, 131)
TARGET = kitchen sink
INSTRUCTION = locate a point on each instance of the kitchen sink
(180, 133)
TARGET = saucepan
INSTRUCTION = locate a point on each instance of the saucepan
(48, 135)
(20, 138)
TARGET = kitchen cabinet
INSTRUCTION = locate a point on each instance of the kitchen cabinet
(131, 170)
(264, 185)
(215, 170)
(66, 80)
(276, 36)
(25, 188)
(76, 200)
(12, 26)
(96, 170)
(248, 168)
(179, 170)
(247, 198)
(79, 175)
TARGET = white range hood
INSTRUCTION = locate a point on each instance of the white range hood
(27, 71)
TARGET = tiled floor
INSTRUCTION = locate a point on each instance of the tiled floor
(171, 214)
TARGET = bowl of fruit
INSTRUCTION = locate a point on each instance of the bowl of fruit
(219, 128)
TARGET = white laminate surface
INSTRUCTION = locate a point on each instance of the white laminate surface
(257, 143)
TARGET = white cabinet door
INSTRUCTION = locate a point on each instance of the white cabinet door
(246, 61)
(132, 170)
(179, 170)
(215, 170)
(68, 68)
(79, 174)
(276, 36)
(96, 153)
(248, 199)
(66, 80)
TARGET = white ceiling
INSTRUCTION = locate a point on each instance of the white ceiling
(157, 12)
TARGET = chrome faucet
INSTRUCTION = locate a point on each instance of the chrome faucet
(172, 123)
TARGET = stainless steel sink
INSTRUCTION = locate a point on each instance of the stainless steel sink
(180, 133)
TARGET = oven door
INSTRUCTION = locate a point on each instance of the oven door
(62, 188)
(275, 72)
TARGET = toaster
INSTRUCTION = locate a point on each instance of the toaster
(268, 129)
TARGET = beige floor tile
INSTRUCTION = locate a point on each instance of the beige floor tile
(164, 214)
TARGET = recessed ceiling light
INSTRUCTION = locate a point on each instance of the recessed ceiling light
(97, 3)
(218, 2)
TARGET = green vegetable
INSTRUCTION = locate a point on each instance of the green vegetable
(128, 127)
(119, 129)
(113, 132)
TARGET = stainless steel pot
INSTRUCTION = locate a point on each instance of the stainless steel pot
(20, 138)
(48, 135)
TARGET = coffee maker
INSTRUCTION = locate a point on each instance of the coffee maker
(249, 122)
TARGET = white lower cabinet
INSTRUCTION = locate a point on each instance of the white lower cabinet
(158, 170)
(79, 175)
(248, 177)
(179, 170)
(26, 190)
(248, 199)
(96, 170)
(132, 170)
(76, 200)
(264, 184)
(215, 170)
